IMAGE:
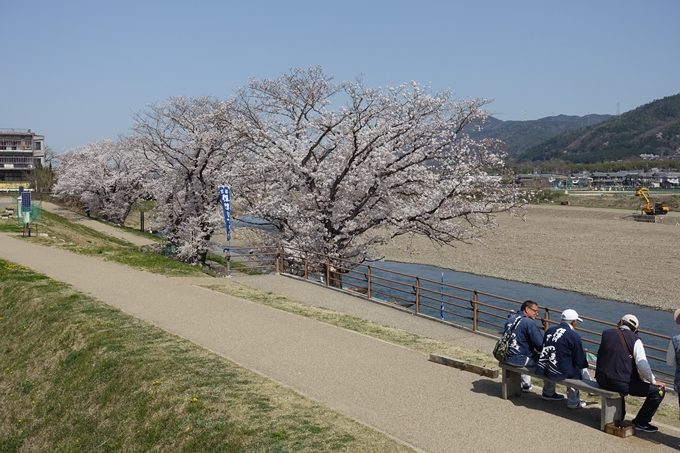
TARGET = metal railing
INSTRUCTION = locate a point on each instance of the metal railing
(473, 309)
(253, 259)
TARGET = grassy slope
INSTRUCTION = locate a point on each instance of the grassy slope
(78, 375)
(62, 233)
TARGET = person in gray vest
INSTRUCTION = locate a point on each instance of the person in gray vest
(673, 355)
(622, 367)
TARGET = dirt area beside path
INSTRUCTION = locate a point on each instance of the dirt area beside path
(602, 252)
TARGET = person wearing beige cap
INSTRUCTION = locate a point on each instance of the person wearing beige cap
(622, 367)
(674, 353)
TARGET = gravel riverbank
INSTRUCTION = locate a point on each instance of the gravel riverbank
(601, 252)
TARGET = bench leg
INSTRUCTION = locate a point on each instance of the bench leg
(511, 384)
(612, 409)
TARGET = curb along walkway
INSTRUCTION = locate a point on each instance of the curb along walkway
(393, 389)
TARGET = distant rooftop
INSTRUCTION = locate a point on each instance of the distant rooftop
(14, 130)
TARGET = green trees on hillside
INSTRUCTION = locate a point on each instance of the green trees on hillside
(653, 128)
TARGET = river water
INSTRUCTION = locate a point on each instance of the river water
(657, 321)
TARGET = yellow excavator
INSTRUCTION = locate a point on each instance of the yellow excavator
(658, 208)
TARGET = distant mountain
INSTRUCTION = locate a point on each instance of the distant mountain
(653, 128)
(519, 136)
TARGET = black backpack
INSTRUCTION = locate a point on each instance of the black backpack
(500, 351)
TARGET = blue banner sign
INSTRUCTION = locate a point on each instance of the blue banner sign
(225, 198)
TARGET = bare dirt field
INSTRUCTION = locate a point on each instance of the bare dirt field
(597, 251)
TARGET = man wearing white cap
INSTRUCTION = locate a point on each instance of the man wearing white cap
(622, 367)
(563, 357)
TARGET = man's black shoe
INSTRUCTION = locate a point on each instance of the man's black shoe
(646, 428)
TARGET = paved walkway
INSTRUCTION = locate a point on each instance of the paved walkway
(393, 389)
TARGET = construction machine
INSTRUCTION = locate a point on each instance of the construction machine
(658, 208)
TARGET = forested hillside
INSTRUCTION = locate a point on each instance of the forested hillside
(653, 128)
(522, 135)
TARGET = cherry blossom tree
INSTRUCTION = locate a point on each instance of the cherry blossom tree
(190, 145)
(343, 167)
(107, 177)
(336, 168)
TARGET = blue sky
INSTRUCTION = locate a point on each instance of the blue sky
(77, 71)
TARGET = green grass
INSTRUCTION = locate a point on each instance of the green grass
(10, 225)
(78, 375)
(80, 239)
(613, 200)
(142, 234)
(7, 227)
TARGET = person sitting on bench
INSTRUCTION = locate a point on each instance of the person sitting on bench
(524, 346)
(622, 366)
(563, 357)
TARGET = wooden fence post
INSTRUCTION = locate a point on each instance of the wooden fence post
(328, 270)
(368, 282)
(475, 310)
(306, 266)
(417, 295)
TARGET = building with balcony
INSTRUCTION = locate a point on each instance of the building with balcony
(20, 152)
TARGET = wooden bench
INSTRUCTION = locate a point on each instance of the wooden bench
(612, 402)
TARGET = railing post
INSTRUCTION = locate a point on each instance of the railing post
(328, 270)
(277, 257)
(417, 295)
(546, 320)
(283, 260)
(306, 266)
(368, 282)
(475, 311)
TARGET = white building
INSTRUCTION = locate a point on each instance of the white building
(20, 152)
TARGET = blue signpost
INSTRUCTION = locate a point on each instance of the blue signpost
(25, 211)
(441, 306)
(225, 199)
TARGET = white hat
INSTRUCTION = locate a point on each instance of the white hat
(570, 315)
(676, 316)
(631, 320)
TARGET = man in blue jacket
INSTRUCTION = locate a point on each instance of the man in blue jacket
(524, 346)
(563, 357)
